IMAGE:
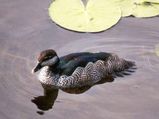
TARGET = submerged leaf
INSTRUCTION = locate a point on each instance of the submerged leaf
(98, 15)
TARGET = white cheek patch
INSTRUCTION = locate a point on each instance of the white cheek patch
(50, 61)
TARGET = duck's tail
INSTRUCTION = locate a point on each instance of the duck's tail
(94, 72)
(118, 66)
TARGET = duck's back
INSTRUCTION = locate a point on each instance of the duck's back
(70, 62)
(89, 69)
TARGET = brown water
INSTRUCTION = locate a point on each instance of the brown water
(25, 30)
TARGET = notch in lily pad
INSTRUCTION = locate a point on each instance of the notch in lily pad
(95, 16)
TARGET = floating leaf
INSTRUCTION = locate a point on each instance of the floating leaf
(127, 7)
(146, 9)
(142, 1)
(152, 1)
(98, 15)
(157, 49)
(138, 1)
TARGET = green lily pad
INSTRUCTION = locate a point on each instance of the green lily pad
(96, 16)
(157, 49)
(146, 9)
(138, 1)
(152, 1)
(127, 7)
(142, 1)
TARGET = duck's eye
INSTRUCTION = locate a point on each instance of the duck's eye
(49, 57)
(45, 58)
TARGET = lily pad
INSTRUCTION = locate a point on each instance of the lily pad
(157, 49)
(96, 16)
(152, 1)
(146, 9)
(127, 7)
(142, 1)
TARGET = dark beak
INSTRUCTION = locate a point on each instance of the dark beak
(36, 68)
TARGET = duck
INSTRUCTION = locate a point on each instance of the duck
(77, 69)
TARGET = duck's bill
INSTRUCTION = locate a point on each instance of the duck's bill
(36, 68)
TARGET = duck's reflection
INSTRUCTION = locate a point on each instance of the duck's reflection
(46, 101)
(85, 88)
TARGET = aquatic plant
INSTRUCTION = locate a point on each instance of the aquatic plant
(98, 15)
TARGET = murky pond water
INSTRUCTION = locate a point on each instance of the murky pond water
(25, 30)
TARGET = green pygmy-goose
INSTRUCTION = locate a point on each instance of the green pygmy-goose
(78, 69)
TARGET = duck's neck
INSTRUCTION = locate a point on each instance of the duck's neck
(53, 69)
(48, 76)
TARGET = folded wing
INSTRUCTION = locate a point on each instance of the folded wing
(94, 72)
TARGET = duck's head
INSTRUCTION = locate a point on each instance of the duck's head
(46, 58)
